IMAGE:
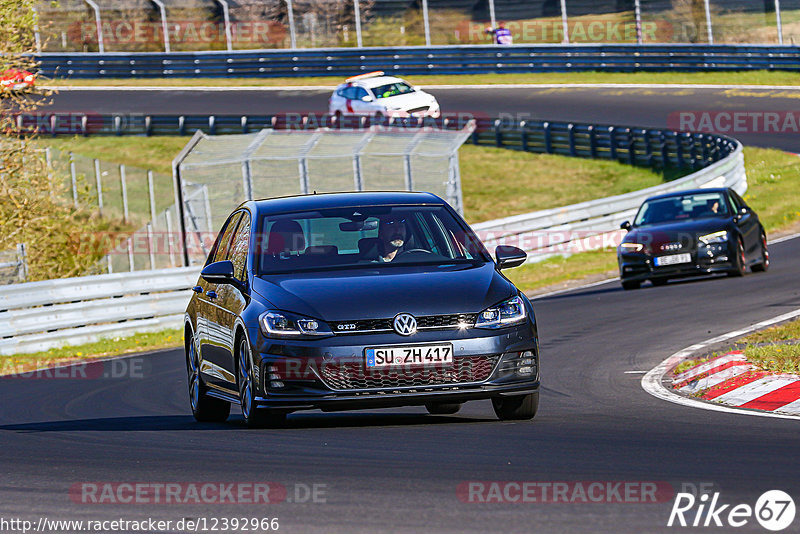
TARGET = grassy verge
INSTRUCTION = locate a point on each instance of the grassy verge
(776, 348)
(560, 269)
(116, 346)
(658, 78)
(154, 153)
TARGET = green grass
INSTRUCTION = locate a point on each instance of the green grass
(658, 78)
(776, 348)
(154, 153)
(773, 179)
(498, 182)
(106, 347)
(559, 269)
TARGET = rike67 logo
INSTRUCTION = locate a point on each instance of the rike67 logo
(774, 510)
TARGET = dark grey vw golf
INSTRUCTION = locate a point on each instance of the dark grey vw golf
(357, 300)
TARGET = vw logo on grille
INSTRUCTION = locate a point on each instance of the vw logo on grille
(405, 324)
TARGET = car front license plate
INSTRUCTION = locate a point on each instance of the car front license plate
(673, 259)
(409, 355)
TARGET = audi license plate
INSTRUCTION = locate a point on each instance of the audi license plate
(673, 259)
(409, 355)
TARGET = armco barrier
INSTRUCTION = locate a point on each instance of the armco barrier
(473, 59)
(37, 316)
(596, 223)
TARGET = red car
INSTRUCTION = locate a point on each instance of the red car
(14, 80)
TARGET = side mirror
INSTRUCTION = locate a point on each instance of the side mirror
(219, 272)
(367, 98)
(508, 256)
(626, 225)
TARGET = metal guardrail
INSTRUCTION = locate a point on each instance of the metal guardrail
(594, 224)
(473, 59)
(37, 316)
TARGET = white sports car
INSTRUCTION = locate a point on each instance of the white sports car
(381, 96)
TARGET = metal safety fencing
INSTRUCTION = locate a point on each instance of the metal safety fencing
(38, 316)
(14, 265)
(187, 25)
(479, 59)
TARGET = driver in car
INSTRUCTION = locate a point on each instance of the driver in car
(392, 235)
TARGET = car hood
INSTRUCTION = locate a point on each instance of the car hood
(684, 232)
(379, 293)
(408, 101)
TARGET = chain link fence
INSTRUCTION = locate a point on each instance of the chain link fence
(202, 25)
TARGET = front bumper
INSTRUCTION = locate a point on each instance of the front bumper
(705, 260)
(309, 373)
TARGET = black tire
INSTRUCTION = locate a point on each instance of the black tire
(739, 262)
(516, 408)
(443, 408)
(763, 265)
(254, 416)
(659, 281)
(204, 408)
(629, 284)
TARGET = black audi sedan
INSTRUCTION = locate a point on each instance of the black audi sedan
(357, 300)
(691, 233)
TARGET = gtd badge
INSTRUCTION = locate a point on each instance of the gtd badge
(405, 324)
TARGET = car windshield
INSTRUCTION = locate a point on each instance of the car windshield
(367, 236)
(392, 89)
(681, 208)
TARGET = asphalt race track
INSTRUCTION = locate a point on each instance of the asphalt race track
(399, 470)
(644, 107)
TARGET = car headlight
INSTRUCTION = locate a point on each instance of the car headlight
(631, 247)
(283, 324)
(29, 78)
(511, 311)
(716, 237)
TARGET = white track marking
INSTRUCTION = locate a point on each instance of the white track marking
(716, 378)
(700, 369)
(791, 408)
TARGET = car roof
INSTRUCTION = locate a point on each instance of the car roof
(378, 81)
(689, 192)
(342, 200)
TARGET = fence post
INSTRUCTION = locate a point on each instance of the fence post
(124, 186)
(37, 36)
(164, 27)
(22, 257)
(48, 161)
(247, 180)
(357, 9)
(74, 176)
(427, 23)
(151, 192)
(98, 23)
(612, 143)
(708, 22)
(564, 21)
(548, 138)
(498, 134)
(571, 132)
(492, 15)
(99, 181)
(226, 17)
(637, 12)
(169, 238)
(778, 21)
(592, 142)
(292, 34)
(130, 255)
(150, 246)
(523, 126)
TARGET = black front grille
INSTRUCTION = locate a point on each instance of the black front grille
(426, 322)
(350, 376)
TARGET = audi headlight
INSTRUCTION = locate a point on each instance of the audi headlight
(511, 311)
(716, 237)
(631, 247)
(284, 324)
